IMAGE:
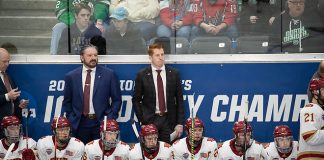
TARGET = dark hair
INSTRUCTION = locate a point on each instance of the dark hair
(86, 47)
(152, 47)
(11, 48)
(81, 6)
(100, 43)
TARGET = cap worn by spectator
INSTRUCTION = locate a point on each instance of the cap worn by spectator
(120, 13)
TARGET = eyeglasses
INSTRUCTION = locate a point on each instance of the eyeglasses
(297, 2)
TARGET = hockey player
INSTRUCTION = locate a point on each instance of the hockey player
(311, 134)
(234, 148)
(13, 138)
(283, 146)
(61, 145)
(109, 145)
(149, 147)
(195, 144)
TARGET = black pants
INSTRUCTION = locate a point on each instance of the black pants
(162, 124)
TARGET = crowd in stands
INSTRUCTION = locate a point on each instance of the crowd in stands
(128, 26)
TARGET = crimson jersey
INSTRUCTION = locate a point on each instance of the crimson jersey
(206, 150)
(227, 151)
(46, 149)
(93, 151)
(311, 134)
(274, 154)
(18, 148)
(163, 153)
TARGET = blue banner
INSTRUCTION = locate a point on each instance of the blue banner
(218, 93)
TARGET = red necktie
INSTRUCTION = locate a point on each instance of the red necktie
(160, 92)
(6, 81)
(86, 93)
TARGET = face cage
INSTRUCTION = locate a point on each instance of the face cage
(196, 142)
(284, 150)
(149, 150)
(14, 139)
(65, 140)
(108, 144)
(242, 145)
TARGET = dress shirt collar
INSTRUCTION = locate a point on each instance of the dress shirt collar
(162, 68)
(84, 69)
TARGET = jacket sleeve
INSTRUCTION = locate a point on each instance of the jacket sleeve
(137, 97)
(101, 9)
(62, 13)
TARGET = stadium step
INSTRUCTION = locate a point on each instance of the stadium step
(27, 24)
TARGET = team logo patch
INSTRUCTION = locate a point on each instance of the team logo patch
(49, 151)
(97, 158)
(185, 155)
(203, 155)
(69, 153)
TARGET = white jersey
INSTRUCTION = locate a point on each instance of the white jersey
(93, 151)
(46, 149)
(164, 152)
(207, 150)
(311, 134)
(274, 154)
(227, 151)
(16, 152)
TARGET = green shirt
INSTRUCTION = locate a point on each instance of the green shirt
(100, 9)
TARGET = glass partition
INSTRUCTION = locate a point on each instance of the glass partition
(127, 27)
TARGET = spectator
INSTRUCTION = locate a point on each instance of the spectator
(10, 103)
(65, 11)
(284, 146)
(11, 48)
(176, 18)
(61, 145)
(143, 14)
(255, 16)
(80, 32)
(293, 29)
(109, 145)
(158, 96)
(214, 17)
(91, 92)
(318, 74)
(123, 32)
(14, 137)
(311, 134)
(241, 146)
(149, 147)
(195, 145)
(100, 43)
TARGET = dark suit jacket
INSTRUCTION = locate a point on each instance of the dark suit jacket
(144, 99)
(5, 106)
(106, 86)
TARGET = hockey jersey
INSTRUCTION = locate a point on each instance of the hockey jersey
(206, 150)
(164, 152)
(16, 152)
(46, 149)
(93, 151)
(274, 155)
(311, 134)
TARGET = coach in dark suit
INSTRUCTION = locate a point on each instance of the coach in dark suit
(159, 101)
(91, 92)
(9, 93)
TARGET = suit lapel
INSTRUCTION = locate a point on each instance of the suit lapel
(168, 74)
(97, 80)
(79, 82)
(149, 78)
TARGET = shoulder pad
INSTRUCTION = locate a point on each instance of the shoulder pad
(167, 145)
(210, 139)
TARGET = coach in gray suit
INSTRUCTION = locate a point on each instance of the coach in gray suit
(158, 96)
